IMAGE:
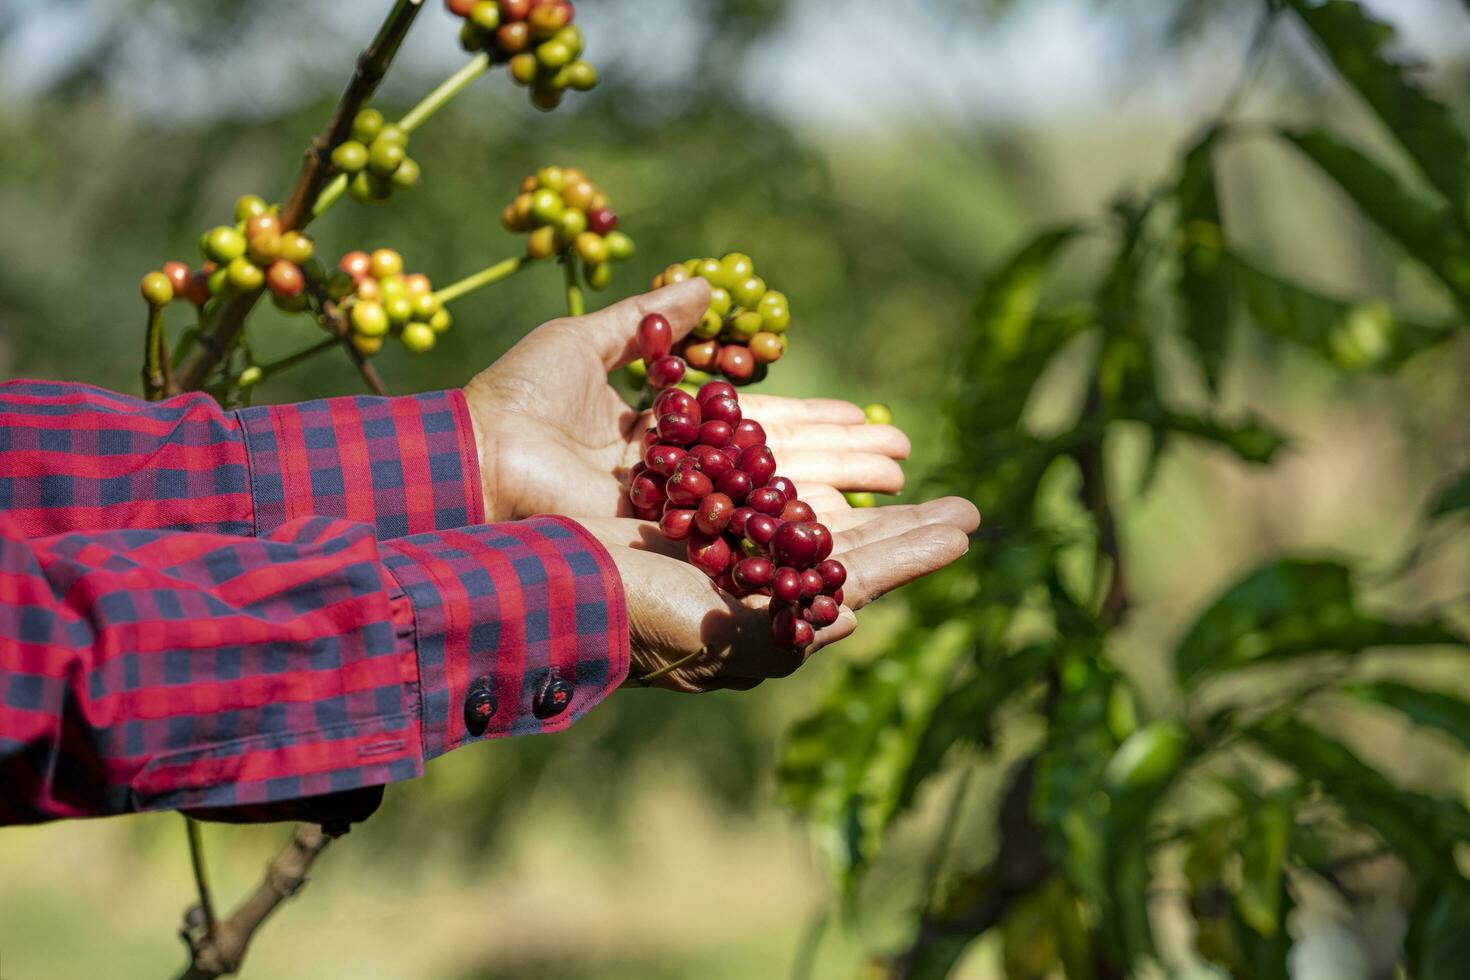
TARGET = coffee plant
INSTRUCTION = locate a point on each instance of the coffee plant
(1223, 808)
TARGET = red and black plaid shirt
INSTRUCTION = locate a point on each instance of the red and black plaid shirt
(272, 612)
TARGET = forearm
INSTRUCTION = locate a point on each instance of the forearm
(154, 670)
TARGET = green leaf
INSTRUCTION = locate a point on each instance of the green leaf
(1354, 336)
(1433, 709)
(1438, 944)
(1453, 498)
(846, 767)
(1423, 829)
(1204, 288)
(1263, 862)
(1358, 46)
(1285, 609)
(1427, 230)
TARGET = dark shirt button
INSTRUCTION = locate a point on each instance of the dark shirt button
(479, 706)
(553, 697)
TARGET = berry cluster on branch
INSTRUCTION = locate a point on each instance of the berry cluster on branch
(710, 480)
(562, 212)
(739, 336)
(380, 300)
(376, 159)
(536, 39)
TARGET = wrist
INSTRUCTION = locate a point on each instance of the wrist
(484, 448)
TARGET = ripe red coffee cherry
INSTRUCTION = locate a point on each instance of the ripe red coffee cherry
(837, 597)
(753, 574)
(686, 488)
(786, 585)
(760, 528)
(709, 553)
(760, 463)
(676, 400)
(712, 462)
(783, 627)
(734, 484)
(639, 468)
(737, 363)
(650, 439)
(666, 372)
(713, 515)
(677, 523)
(459, 8)
(803, 635)
(715, 389)
(824, 541)
(811, 583)
(738, 518)
(178, 275)
(647, 492)
(716, 433)
(732, 453)
(197, 291)
(795, 510)
(356, 264)
(749, 433)
(512, 38)
(602, 220)
(515, 9)
(677, 429)
(655, 337)
(722, 408)
(702, 355)
(833, 573)
(662, 459)
(285, 279)
(787, 488)
(822, 612)
(794, 544)
(765, 501)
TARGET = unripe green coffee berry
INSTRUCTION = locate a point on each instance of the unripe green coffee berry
(369, 319)
(250, 206)
(244, 275)
(720, 301)
(599, 276)
(748, 292)
(251, 376)
(297, 248)
(553, 55)
(441, 321)
(366, 345)
(878, 414)
(350, 157)
(553, 178)
(571, 224)
(224, 244)
(360, 188)
(386, 156)
(709, 325)
(219, 281)
(591, 248)
(523, 68)
(707, 269)
(581, 75)
(386, 262)
(620, 247)
(860, 499)
(471, 38)
(157, 290)
(419, 338)
(424, 306)
(366, 126)
(546, 206)
(541, 243)
(546, 99)
(407, 175)
(637, 372)
(399, 310)
(391, 288)
(745, 325)
(571, 36)
(735, 268)
(775, 311)
(485, 15)
(393, 133)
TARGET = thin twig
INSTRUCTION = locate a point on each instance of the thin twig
(370, 375)
(503, 269)
(222, 951)
(372, 65)
(201, 875)
(576, 302)
(154, 384)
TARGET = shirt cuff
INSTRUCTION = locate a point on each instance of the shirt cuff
(403, 465)
(520, 627)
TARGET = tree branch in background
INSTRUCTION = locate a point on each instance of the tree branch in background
(220, 951)
(372, 65)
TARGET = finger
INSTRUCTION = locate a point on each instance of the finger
(843, 471)
(829, 437)
(882, 566)
(613, 331)
(840, 630)
(773, 410)
(827, 501)
(887, 522)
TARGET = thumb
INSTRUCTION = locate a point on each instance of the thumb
(613, 331)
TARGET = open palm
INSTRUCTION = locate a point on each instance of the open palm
(555, 437)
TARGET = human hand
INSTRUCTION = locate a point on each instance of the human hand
(556, 438)
(695, 638)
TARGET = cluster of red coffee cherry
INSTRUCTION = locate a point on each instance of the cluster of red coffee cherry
(537, 40)
(375, 159)
(240, 258)
(564, 212)
(741, 333)
(709, 479)
(380, 300)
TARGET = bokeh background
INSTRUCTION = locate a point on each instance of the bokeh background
(875, 159)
